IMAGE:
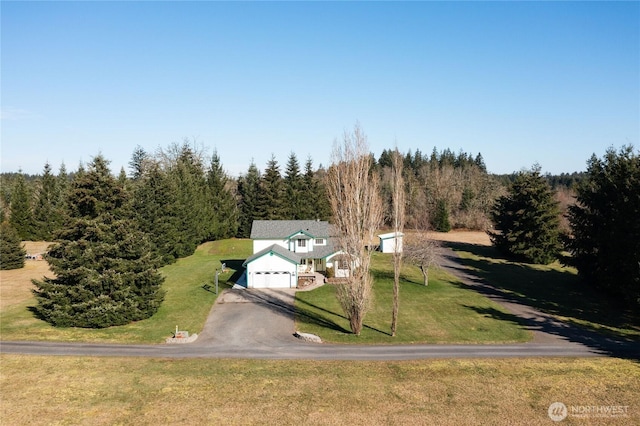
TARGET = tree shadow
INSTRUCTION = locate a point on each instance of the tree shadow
(592, 318)
(606, 345)
(309, 315)
(236, 266)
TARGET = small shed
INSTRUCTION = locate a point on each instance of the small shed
(391, 242)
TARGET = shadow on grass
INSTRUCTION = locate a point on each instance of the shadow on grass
(307, 312)
(593, 318)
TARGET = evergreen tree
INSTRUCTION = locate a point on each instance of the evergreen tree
(11, 251)
(155, 206)
(21, 218)
(137, 163)
(296, 199)
(316, 204)
(441, 218)
(271, 202)
(248, 189)
(47, 217)
(195, 217)
(527, 220)
(605, 224)
(223, 203)
(104, 271)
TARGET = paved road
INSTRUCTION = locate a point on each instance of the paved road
(259, 324)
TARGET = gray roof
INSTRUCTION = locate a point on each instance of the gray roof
(281, 229)
(279, 250)
(320, 252)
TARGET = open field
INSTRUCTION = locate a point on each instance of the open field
(105, 391)
(15, 284)
(469, 237)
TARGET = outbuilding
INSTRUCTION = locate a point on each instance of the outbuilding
(391, 242)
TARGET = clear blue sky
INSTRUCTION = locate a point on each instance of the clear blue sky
(545, 82)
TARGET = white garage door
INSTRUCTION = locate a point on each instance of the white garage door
(272, 280)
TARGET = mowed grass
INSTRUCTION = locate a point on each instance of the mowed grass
(442, 312)
(139, 391)
(553, 289)
(186, 305)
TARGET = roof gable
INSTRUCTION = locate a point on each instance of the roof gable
(277, 250)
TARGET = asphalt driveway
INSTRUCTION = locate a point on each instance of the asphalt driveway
(250, 318)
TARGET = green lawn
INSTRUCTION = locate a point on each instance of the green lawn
(553, 289)
(186, 304)
(442, 312)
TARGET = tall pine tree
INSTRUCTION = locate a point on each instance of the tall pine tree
(105, 274)
(11, 251)
(605, 242)
(21, 218)
(155, 208)
(527, 220)
(294, 207)
(47, 215)
(271, 201)
(223, 203)
(248, 190)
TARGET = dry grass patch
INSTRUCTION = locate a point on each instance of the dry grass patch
(460, 236)
(15, 284)
(87, 390)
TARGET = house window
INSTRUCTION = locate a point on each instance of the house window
(342, 264)
(319, 241)
(302, 243)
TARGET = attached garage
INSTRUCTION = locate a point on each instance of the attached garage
(273, 267)
(279, 279)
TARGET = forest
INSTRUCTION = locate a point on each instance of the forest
(181, 195)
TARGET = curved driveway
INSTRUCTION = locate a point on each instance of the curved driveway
(260, 324)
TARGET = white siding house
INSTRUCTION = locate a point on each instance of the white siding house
(285, 250)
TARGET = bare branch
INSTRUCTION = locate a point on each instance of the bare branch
(357, 214)
(423, 252)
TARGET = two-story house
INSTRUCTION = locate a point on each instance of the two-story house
(286, 250)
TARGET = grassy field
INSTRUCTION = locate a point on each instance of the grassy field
(106, 391)
(186, 304)
(442, 312)
(44, 390)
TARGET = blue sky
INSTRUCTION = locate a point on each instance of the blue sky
(522, 83)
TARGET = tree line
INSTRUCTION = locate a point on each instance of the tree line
(181, 196)
(114, 232)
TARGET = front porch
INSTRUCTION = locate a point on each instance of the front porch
(306, 280)
(311, 266)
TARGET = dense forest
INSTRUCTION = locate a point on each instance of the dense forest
(181, 196)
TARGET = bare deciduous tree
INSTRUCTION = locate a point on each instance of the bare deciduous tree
(357, 214)
(423, 252)
(398, 201)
